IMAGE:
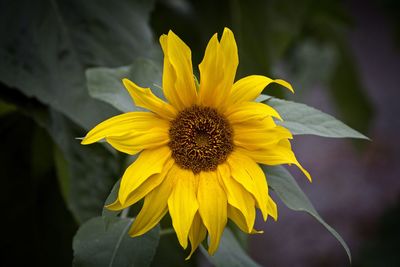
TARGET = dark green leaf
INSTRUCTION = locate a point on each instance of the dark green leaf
(107, 214)
(229, 253)
(287, 189)
(95, 246)
(302, 119)
(349, 93)
(45, 48)
(62, 172)
(86, 173)
(106, 83)
(6, 108)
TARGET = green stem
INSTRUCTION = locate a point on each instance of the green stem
(166, 231)
(124, 213)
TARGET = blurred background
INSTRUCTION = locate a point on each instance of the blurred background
(342, 57)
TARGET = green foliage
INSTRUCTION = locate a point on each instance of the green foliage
(35, 215)
(302, 119)
(287, 189)
(59, 58)
(95, 246)
(109, 215)
(106, 83)
(230, 253)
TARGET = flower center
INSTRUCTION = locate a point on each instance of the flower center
(200, 139)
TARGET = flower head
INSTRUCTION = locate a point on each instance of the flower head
(199, 151)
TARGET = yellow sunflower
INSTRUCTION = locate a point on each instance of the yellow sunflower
(199, 152)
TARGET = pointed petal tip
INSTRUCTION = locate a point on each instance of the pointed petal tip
(114, 206)
(305, 172)
(191, 253)
(284, 84)
(85, 141)
(162, 39)
(134, 234)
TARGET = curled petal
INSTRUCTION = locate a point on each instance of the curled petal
(178, 81)
(155, 206)
(248, 111)
(182, 204)
(212, 207)
(218, 70)
(250, 87)
(149, 162)
(197, 234)
(280, 153)
(143, 97)
(247, 172)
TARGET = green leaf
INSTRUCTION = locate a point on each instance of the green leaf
(229, 253)
(287, 189)
(302, 119)
(107, 214)
(46, 47)
(95, 246)
(63, 174)
(86, 173)
(348, 91)
(6, 108)
(106, 83)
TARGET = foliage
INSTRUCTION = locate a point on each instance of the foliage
(60, 73)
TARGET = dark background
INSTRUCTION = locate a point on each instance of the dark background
(341, 56)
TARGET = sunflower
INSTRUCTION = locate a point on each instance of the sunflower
(199, 151)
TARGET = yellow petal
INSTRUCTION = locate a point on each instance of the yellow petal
(149, 162)
(272, 208)
(178, 82)
(182, 204)
(237, 217)
(231, 59)
(135, 142)
(266, 124)
(143, 97)
(131, 122)
(238, 196)
(155, 206)
(217, 70)
(276, 154)
(248, 111)
(197, 234)
(147, 186)
(258, 138)
(247, 172)
(250, 87)
(212, 207)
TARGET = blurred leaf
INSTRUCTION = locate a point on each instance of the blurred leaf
(6, 108)
(106, 83)
(287, 189)
(171, 254)
(302, 119)
(36, 217)
(62, 172)
(309, 64)
(91, 169)
(87, 173)
(45, 48)
(95, 246)
(349, 93)
(264, 31)
(107, 214)
(229, 253)
(262, 98)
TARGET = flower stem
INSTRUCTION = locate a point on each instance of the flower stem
(166, 231)
(124, 213)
